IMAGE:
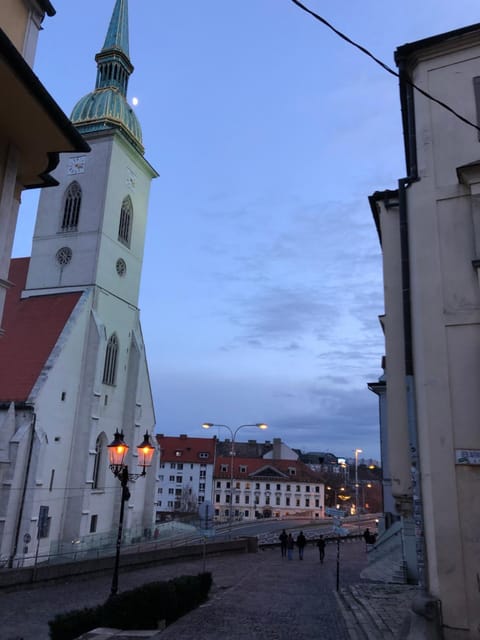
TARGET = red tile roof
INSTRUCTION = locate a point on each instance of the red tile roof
(185, 449)
(303, 473)
(32, 328)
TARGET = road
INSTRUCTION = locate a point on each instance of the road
(256, 596)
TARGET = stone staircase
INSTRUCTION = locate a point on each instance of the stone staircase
(376, 611)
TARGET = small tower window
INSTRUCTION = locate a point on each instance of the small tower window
(126, 218)
(110, 367)
(71, 209)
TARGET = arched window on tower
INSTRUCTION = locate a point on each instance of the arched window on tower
(99, 463)
(126, 219)
(110, 366)
(71, 208)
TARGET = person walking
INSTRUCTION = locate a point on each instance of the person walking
(290, 546)
(283, 543)
(321, 548)
(301, 542)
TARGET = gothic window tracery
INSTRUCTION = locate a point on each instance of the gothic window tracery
(111, 356)
(71, 209)
(126, 219)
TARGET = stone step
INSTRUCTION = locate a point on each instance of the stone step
(354, 631)
(380, 618)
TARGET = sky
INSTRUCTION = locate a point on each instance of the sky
(262, 278)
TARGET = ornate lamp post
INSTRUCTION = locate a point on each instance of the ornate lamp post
(117, 452)
(233, 433)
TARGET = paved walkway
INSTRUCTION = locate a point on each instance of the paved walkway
(254, 596)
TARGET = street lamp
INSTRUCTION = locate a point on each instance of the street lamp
(233, 433)
(117, 452)
(357, 451)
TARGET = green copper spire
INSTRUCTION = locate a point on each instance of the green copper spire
(117, 35)
(107, 106)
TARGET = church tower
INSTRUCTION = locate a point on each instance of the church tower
(74, 367)
(91, 229)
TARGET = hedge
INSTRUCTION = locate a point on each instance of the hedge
(141, 608)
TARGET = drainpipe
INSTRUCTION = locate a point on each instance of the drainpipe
(410, 142)
(24, 490)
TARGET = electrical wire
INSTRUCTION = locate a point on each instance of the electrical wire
(383, 65)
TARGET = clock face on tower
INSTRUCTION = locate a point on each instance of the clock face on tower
(76, 165)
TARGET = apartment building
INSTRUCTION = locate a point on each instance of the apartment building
(185, 474)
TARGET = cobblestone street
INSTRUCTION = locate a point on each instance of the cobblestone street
(254, 596)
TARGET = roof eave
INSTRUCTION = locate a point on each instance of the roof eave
(31, 120)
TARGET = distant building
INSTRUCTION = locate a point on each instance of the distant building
(185, 474)
(271, 483)
(429, 230)
(321, 461)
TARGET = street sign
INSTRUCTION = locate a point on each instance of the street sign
(467, 456)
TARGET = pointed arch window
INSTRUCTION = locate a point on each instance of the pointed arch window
(111, 356)
(71, 208)
(99, 465)
(126, 220)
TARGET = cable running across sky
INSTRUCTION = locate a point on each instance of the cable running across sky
(383, 65)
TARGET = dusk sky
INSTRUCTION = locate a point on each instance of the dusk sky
(262, 281)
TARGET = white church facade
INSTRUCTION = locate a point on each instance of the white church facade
(73, 367)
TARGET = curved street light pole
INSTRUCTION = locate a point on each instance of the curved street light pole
(233, 434)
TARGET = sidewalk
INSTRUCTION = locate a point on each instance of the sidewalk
(257, 596)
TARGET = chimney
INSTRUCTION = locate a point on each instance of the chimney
(277, 449)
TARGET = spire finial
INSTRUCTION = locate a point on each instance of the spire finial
(117, 34)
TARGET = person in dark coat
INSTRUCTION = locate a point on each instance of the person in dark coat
(283, 543)
(290, 546)
(301, 542)
(321, 548)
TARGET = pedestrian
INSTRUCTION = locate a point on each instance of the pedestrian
(283, 543)
(321, 548)
(369, 537)
(290, 546)
(301, 542)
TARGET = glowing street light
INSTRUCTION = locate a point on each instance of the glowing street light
(233, 433)
(117, 452)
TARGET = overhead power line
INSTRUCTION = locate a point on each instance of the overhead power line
(383, 65)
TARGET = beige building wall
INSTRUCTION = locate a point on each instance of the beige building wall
(21, 20)
(442, 210)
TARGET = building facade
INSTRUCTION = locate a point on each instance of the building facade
(430, 235)
(273, 484)
(185, 475)
(73, 368)
(33, 129)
